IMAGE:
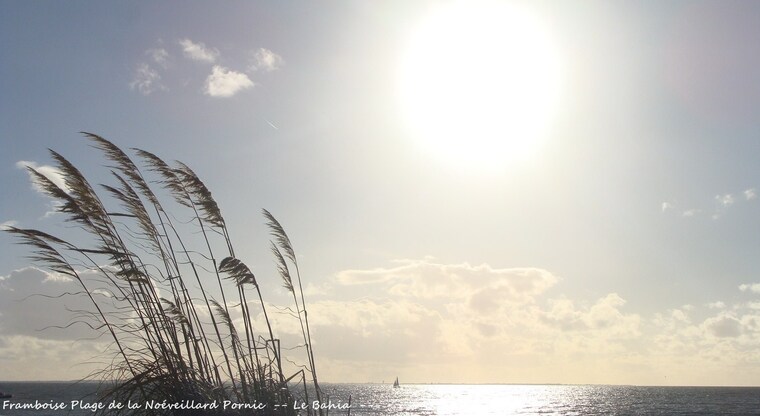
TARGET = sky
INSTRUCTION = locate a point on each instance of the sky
(568, 200)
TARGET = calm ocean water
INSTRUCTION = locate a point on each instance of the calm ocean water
(382, 399)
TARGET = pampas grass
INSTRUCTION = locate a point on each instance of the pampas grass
(180, 324)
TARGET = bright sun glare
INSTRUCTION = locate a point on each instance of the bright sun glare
(480, 84)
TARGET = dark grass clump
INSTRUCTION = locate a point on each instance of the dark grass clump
(187, 326)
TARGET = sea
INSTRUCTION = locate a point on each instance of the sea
(66, 398)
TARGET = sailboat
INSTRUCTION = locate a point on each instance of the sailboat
(395, 383)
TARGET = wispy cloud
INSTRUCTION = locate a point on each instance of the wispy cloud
(146, 80)
(5, 224)
(160, 56)
(50, 172)
(716, 305)
(224, 82)
(198, 51)
(480, 285)
(691, 213)
(667, 207)
(272, 125)
(750, 287)
(722, 204)
(725, 200)
(266, 60)
(157, 64)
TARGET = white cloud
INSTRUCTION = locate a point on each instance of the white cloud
(750, 194)
(461, 315)
(266, 60)
(753, 287)
(51, 172)
(666, 206)
(147, 80)
(711, 348)
(198, 51)
(446, 322)
(432, 313)
(224, 82)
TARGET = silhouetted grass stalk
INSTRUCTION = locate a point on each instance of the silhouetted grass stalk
(282, 244)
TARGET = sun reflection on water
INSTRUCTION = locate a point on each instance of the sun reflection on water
(450, 399)
(485, 400)
(498, 399)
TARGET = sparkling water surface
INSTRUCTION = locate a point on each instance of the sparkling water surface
(438, 399)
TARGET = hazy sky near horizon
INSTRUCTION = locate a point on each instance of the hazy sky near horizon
(622, 247)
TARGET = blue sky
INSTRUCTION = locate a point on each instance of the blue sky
(622, 251)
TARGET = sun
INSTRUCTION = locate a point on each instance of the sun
(480, 83)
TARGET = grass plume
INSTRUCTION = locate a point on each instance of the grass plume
(174, 335)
